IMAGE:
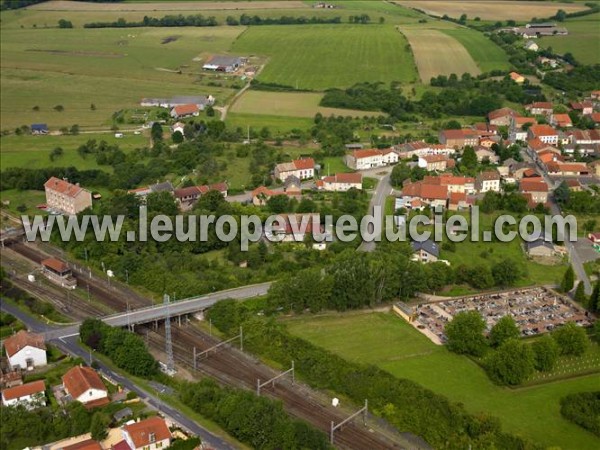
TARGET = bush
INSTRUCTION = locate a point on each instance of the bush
(583, 409)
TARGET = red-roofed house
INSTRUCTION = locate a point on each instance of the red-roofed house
(25, 350)
(341, 182)
(594, 237)
(431, 194)
(148, 434)
(595, 118)
(59, 273)
(585, 108)
(459, 138)
(186, 197)
(371, 158)
(66, 197)
(458, 201)
(84, 385)
(561, 120)
(544, 133)
(181, 111)
(501, 117)
(568, 169)
(517, 133)
(30, 395)
(585, 136)
(517, 78)
(88, 444)
(536, 188)
(539, 108)
(301, 168)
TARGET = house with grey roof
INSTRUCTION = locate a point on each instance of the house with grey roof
(425, 251)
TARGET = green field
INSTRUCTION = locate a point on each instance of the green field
(111, 68)
(486, 54)
(34, 151)
(390, 343)
(583, 40)
(323, 56)
(277, 124)
(294, 104)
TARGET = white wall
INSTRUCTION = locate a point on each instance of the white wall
(92, 394)
(28, 352)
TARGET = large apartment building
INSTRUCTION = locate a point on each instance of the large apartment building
(66, 197)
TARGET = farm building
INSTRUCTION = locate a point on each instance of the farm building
(25, 350)
(201, 101)
(66, 197)
(29, 395)
(59, 273)
(223, 63)
(84, 385)
(181, 111)
(39, 128)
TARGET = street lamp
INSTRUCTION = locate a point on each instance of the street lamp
(109, 275)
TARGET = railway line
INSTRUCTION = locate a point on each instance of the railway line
(229, 366)
(234, 368)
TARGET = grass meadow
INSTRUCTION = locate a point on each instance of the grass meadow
(34, 151)
(277, 124)
(583, 40)
(387, 341)
(295, 104)
(111, 68)
(326, 56)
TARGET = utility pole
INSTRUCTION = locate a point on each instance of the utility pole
(168, 341)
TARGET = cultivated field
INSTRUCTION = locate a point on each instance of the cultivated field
(61, 5)
(390, 343)
(492, 10)
(437, 53)
(486, 54)
(111, 68)
(583, 40)
(294, 104)
(324, 56)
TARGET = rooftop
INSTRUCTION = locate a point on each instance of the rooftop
(22, 339)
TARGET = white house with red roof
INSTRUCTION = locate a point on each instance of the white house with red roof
(535, 190)
(84, 385)
(302, 168)
(539, 108)
(25, 350)
(188, 110)
(66, 197)
(30, 395)
(148, 434)
(544, 133)
(340, 182)
(371, 158)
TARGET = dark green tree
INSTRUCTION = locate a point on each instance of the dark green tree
(572, 340)
(580, 293)
(469, 158)
(99, 425)
(568, 280)
(545, 352)
(177, 137)
(465, 334)
(156, 132)
(506, 328)
(512, 363)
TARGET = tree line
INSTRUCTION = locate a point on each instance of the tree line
(256, 421)
(583, 409)
(198, 20)
(403, 403)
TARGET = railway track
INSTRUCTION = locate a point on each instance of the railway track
(229, 365)
(234, 368)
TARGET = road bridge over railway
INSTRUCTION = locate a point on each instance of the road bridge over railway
(159, 312)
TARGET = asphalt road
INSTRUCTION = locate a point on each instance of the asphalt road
(384, 188)
(72, 346)
(574, 257)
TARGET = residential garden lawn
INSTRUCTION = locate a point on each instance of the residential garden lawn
(33, 152)
(437, 53)
(111, 68)
(334, 164)
(28, 199)
(277, 124)
(295, 104)
(389, 342)
(492, 10)
(487, 55)
(327, 56)
(583, 40)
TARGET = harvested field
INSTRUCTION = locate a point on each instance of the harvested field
(437, 53)
(62, 5)
(292, 104)
(486, 54)
(492, 10)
